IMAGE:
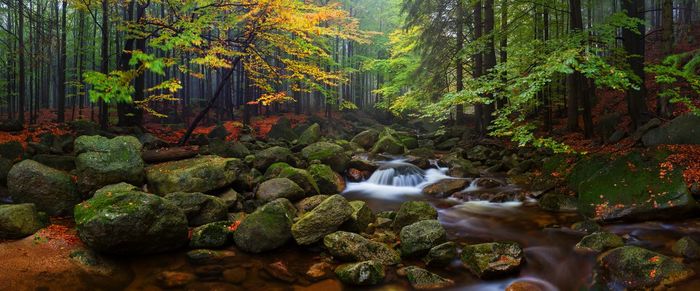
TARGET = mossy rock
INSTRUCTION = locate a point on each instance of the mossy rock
(361, 274)
(310, 135)
(279, 188)
(491, 260)
(267, 228)
(555, 202)
(199, 208)
(309, 203)
(328, 181)
(418, 238)
(441, 255)
(212, 235)
(389, 145)
(228, 149)
(326, 218)
(366, 139)
(348, 246)
(634, 187)
(422, 279)
(328, 153)
(684, 129)
(411, 212)
(687, 248)
(51, 190)
(11, 150)
(269, 156)
(361, 217)
(302, 178)
(587, 226)
(101, 161)
(130, 223)
(599, 242)
(282, 130)
(275, 169)
(19, 220)
(635, 268)
(201, 174)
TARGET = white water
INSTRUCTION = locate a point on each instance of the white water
(395, 179)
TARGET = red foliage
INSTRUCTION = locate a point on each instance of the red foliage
(686, 157)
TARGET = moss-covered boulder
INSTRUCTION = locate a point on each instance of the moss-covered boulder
(687, 248)
(275, 169)
(361, 274)
(366, 139)
(556, 202)
(228, 149)
(326, 218)
(267, 157)
(130, 223)
(684, 129)
(441, 255)
(490, 260)
(446, 187)
(267, 228)
(51, 190)
(631, 187)
(201, 174)
(348, 246)
(328, 181)
(310, 135)
(212, 235)
(101, 161)
(11, 150)
(279, 188)
(635, 268)
(309, 203)
(19, 220)
(302, 178)
(389, 145)
(199, 208)
(328, 153)
(361, 217)
(599, 242)
(282, 130)
(422, 279)
(411, 212)
(418, 238)
(587, 226)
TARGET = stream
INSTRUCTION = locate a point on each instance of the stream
(548, 243)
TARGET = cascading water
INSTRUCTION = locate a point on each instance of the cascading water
(396, 179)
(398, 173)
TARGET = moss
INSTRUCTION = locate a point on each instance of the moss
(302, 178)
(635, 268)
(275, 169)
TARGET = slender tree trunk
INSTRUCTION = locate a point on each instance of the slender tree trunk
(633, 41)
(459, 111)
(663, 106)
(573, 80)
(489, 57)
(104, 67)
(61, 114)
(478, 64)
(20, 52)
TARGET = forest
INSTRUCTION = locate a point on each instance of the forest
(349, 144)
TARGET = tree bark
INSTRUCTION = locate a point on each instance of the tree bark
(489, 57)
(663, 106)
(61, 114)
(478, 64)
(573, 81)
(459, 110)
(104, 66)
(633, 42)
(20, 53)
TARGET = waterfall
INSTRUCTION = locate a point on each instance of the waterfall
(397, 173)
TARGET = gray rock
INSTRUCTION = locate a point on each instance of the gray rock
(326, 218)
(19, 220)
(267, 228)
(412, 212)
(422, 279)
(199, 208)
(361, 274)
(200, 174)
(102, 161)
(492, 259)
(51, 190)
(348, 246)
(418, 238)
(279, 188)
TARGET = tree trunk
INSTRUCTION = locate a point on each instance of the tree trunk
(573, 80)
(663, 106)
(489, 57)
(20, 52)
(104, 67)
(61, 114)
(478, 65)
(633, 42)
(459, 111)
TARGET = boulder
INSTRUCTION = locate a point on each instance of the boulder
(101, 161)
(389, 145)
(361, 274)
(130, 223)
(326, 218)
(19, 220)
(275, 169)
(301, 178)
(328, 153)
(11, 150)
(60, 162)
(282, 130)
(361, 217)
(446, 187)
(418, 238)
(441, 255)
(267, 228)
(422, 279)
(199, 208)
(555, 202)
(5, 167)
(310, 135)
(413, 211)
(687, 248)
(200, 174)
(327, 180)
(635, 268)
(492, 259)
(269, 156)
(598, 242)
(587, 226)
(228, 149)
(348, 246)
(684, 129)
(632, 187)
(212, 235)
(366, 139)
(309, 203)
(279, 188)
(51, 190)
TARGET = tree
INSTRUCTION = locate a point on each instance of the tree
(20, 56)
(633, 42)
(62, 66)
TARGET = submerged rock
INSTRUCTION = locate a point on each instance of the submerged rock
(362, 273)
(418, 238)
(687, 248)
(199, 208)
(200, 174)
(412, 212)
(130, 223)
(268, 228)
(348, 246)
(635, 268)
(19, 220)
(279, 188)
(493, 259)
(422, 279)
(587, 226)
(441, 255)
(599, 242)
(51, 190)
(326, 218)
(330, 154)
(102, 161)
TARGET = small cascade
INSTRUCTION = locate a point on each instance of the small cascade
(398, 173)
